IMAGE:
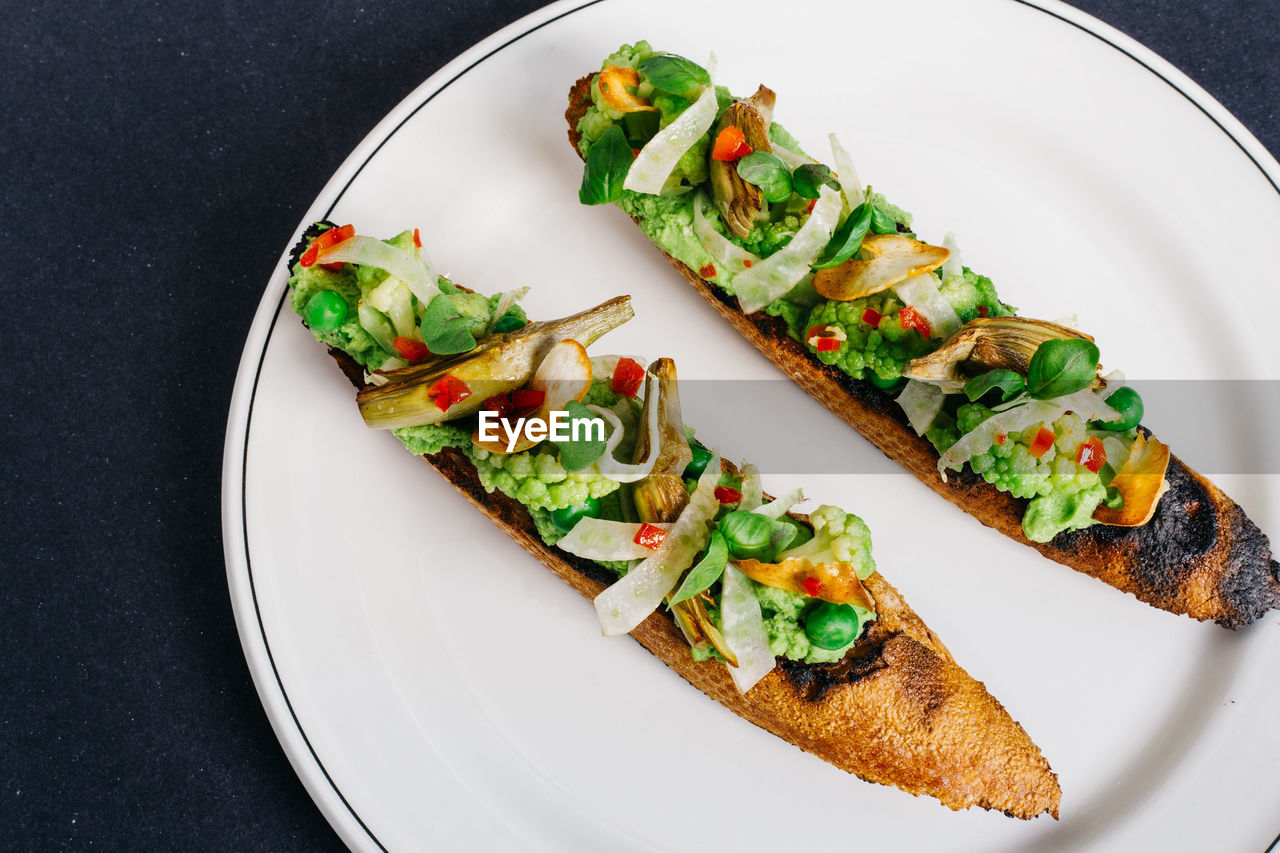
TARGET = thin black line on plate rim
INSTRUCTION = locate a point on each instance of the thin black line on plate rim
(271, 329)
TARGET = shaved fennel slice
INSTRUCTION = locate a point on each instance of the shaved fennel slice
(366, 251)
(952, 266)
(850, 186)
(779, 507)
(1117, 450)
(509, 298)
(600, 539)
(727, 253)
(627, 603)
(392, 299)
(921, 292)
(984, 435)
(921, 401)
(626, 472)
(752, 491)
(791, 159)
(742, 624)
(778, 273)
(656, 161)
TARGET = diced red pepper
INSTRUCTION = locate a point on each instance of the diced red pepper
(649, 536)
(913, 319)
(708, 271)
(411, 349)
(527, 398)
(984, 311)
(448, 391)
(498, 403)
(628, 376)
(828, 344)
(746, 263)
(731, 144)
(635, 152)
(809, 207)
(1092, 454)
(726, 495)
(417, 238)
(1043, 441)
(872, 317)
(1001, 438)
(812, 586)
(332, 237)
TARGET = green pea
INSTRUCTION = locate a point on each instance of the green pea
(325, 310)
(883, 384)
(748, 534)
(1128, 403)
(831, 626)
(701, 456)
(566, 517)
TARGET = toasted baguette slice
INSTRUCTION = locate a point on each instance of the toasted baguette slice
(897, 710)
(1200, 555)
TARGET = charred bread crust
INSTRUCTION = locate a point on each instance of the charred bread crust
(898, 711)
(1200, 555)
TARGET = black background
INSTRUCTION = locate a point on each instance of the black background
(157, 159)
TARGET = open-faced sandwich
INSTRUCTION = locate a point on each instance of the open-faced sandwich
(1006, 416)
(781, 617)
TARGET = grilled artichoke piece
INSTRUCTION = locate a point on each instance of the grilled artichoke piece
(894, 259)
(500, 363)
(741, 204)
(986, 344)
(564, 375)
(661, 496)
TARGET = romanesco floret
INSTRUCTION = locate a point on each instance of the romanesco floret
(838, 537)
(432, 438)
(537, 479)
(969, 292)
(883, 350)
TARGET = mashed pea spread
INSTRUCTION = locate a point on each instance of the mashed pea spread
(757, 198)
(582, 497)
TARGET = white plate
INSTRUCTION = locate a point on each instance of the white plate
(435, 688)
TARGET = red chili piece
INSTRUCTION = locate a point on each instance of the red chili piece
(1000, 438)
(731, 144)
(628, 376)
(913, 319)
(417, 238)
(709, 271)
(326, 239)
(411, 349)
(726, 495)
(499, 404)
(828, 344)
(1092, 454)
(746, 263)
(872, 317)
(527, 398)
(809, 207)
(812, 586)
(649, 536)
(448, 391)
(1043, 441)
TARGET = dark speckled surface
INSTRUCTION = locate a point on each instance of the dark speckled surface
(163, 154)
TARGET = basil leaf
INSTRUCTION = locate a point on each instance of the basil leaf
(706, 572)
(1062, 367)
(768, 173)
(1010, 383)
(576, 454)
(444, 330)
(673, 74)
(809, 178)
(881, 222)
(847, 239)
(608, 162)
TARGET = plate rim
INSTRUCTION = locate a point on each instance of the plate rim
(320, 785)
